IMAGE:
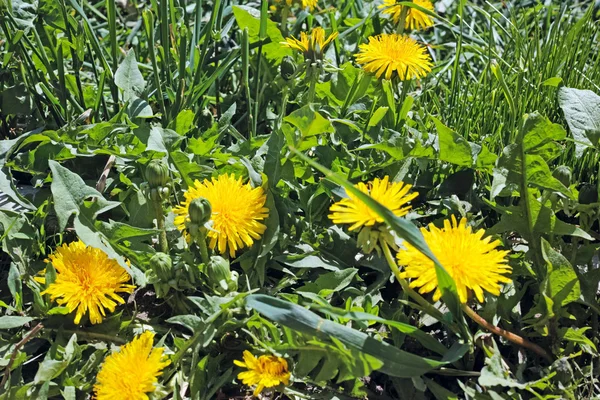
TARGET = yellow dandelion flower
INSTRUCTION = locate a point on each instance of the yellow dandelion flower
(87, 280)
(471, 260)
(392, 54)
(393, 195)
(415, 19)
(132, 372)
(311, 4)
(264, 371)
(237, 210)
(311, 45)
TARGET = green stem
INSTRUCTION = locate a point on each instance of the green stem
(284, 19)
(160, 224)
(402, 21)
(202, 245)
(427, 307)
(514, 338)
(91, 335)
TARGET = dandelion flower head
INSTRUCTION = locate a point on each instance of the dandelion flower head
(237, 210)
(264, 371)
(471, 260)
(311, 45)
(87, 281)
(132, 372)
(391, 55)
(415, 19)
(393, 195)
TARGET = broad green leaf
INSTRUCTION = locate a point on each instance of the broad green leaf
(13, 321)
(129, 79)
(50, 369)
(540, 147)
(183, 122)
(309, 122)
(581, 109)
(395, 362)
(249, 17)
(273, 158)
(425, 339)
(543, 218)
(453, 148)
(330, 282)
(188, 169)
(377, 116)
(70, 192)
(562, 283)
(578, 336)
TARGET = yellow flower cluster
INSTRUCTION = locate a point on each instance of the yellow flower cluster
(471, 259)
(386, 55)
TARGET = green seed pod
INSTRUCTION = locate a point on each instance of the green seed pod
(563, 174)
(162, 266)
(157, 173)
(218, 273)
(288, 68)
(200, 211)
(588, 194)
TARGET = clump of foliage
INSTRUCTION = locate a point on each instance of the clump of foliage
(299, 199)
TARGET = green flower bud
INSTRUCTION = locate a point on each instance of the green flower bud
(157, 173)
(563, 174)
(288, 68)
(162, 266)
(219, 274)
(200, 211)
(588, 194)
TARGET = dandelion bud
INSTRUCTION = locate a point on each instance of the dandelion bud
(588, 194)
(219, 274)
(157, 173)
(288, 68)
(200, 211)
(563, 174)
(162, 266)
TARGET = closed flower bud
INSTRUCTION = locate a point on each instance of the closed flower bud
(157, 173)
(162, 266)
(200, 211)
(563, 174)
(288, 68)
(219, 274)
(588, 194)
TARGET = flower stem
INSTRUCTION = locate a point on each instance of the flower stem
(427, 306)
(516, 339)
(202, 245)
(92, 335)
(160, 224)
